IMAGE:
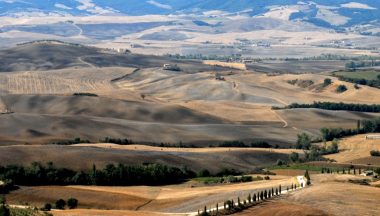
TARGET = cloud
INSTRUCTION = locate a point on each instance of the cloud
(89, 6)
(356, 5)
(62, 6)
(157, 4)
(14, 1)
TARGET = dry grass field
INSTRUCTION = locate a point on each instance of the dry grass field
(329, 195)
(235, 65)
(140, 101)
(166, 199)
(214, 159)
(356, 150)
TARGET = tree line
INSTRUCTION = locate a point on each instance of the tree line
(112, 175)
(362, 81)
(375, 108)
(363, 126)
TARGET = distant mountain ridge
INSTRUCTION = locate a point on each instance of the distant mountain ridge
(326, 13)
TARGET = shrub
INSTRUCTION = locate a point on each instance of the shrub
(47, 207)
(267, 178)
(72, 203)
(375, 153)
(341, 88)
(60, 204)
(294, 157)
(327, 82)
(303, 141)
(280, 162)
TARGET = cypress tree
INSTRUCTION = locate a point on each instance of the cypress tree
(254, 197)
(276, 191)
(265, 194)
(249, 198)
(279, 188)
(261, 195)
(307, 176)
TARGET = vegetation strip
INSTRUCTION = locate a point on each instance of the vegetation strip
(375, 108)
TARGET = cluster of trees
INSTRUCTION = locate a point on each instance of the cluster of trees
(71, 203)
(116, 141)
(240, 144)
(371, 83)
(231, 206)
(375, 153)
(364, 126)
(72, 142)
(85, 94)
(338, 106)
(111, 175)
(359, 64)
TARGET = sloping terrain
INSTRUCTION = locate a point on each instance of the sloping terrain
(52, 55)
(214, 159)
(356, 150)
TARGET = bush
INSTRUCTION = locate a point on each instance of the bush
(47, 207)
(280, 162)
(375, 153)
(341, 88)
(267, 178)
(327, 82)
(60, 204)
(303, 141)
(294, 157)
(72, 203)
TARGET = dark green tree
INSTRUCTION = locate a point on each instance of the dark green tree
(60, 204)
(307, 176)
(72, 203)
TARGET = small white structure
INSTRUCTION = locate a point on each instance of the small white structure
(368, 173)
(171, 67)
(372, 137)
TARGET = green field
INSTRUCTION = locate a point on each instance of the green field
(368, 75)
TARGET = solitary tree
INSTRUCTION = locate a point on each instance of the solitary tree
(72, 203)
(60, 204)
(307, 176)
(47, 207)
(303, 141)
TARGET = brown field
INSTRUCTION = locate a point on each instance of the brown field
(282, 208)
(356, 150)
(213, 159)
(170, 199)
(329, 195)
(235, 65)
(140, 101)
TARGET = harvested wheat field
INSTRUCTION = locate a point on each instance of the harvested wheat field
(278, 208)
(328, 195)
(170, 199)
(214, 159)
(356, 150)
